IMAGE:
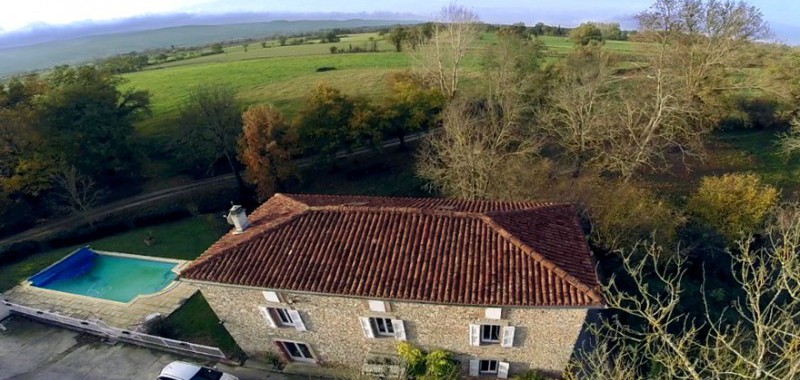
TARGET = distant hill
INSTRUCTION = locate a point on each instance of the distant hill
(43, 55)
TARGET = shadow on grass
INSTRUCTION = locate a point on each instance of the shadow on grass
(195, 322)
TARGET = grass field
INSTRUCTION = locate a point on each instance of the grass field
(281, 81)
(284, 75)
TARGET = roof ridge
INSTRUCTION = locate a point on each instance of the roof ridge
(549, 264)
(409, 210)
(525, 204)
(219, 249)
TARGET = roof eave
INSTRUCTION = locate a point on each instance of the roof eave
(600, 305)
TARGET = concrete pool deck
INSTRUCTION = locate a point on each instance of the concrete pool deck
(123, 315)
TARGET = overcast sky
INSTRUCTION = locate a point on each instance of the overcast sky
(20, 15)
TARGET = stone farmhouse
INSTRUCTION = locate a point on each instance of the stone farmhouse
(331, 280)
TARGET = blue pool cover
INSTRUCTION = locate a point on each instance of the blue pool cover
(72, 266)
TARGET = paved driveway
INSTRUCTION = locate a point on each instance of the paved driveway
(31, 350)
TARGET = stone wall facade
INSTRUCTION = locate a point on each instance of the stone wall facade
(544, 338)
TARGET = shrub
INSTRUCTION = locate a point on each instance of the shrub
(622, 213)
(733, 204)
(440, 366)
(436, 365)
(415, 359)
(274, 360)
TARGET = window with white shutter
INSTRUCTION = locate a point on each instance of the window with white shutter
(474, 366)
(282, 317)
(297, 321)
(502, 370)
(508, 336)
(399, 329)
(474, 335)
(367, 327)
(267, 316)
(381, 327)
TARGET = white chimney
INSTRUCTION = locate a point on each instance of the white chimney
(237, 217)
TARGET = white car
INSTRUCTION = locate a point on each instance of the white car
(178, 370)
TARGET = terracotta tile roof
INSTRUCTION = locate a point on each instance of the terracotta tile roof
(428, 250)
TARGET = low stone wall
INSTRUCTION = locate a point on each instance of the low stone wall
(4, 312)
(544, 338)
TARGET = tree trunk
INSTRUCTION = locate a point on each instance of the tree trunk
(236, 174)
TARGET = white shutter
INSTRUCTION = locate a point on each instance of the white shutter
(474, 367)
(502, 370)
(267, 316)
(271, 296)
(378, 306)
(508, 336)
(474, 335)
(399, 329)
(296, 320)
(367, 327)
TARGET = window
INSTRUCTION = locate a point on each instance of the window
(480, 334)
(297, 351)
(376, 327)
(283, 316)
(487, 366)
(490, 334)
(382, 326)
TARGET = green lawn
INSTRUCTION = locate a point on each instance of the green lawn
(195, 322)
(740, 151)
(282, 81)
(757, 150)
(185, 240)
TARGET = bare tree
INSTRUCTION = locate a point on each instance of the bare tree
(75, 192)
(440, 58)
(673, 101)
(650, 120)
(755, 338)
(465, 158)
(580, 105)
(696, 42)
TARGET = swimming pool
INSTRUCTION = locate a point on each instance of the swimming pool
(111, 277)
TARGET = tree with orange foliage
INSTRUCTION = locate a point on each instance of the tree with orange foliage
(265, 149)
